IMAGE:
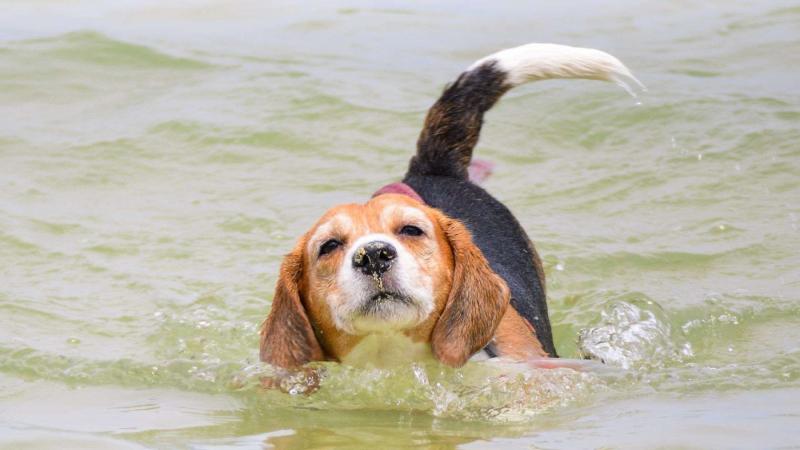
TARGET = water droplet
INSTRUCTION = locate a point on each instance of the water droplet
(629, 83)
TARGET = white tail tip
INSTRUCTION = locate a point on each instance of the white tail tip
(534, 62)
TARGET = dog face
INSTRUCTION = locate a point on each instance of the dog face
(389, 265)
(373, 267)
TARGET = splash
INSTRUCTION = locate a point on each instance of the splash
(483, 391)
(493, 391)
(634, 333)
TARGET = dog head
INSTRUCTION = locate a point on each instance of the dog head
(391, 264)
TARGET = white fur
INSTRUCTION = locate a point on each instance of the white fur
(534, 62)
(355, 289)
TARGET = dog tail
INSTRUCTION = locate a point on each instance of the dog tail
(453, 123)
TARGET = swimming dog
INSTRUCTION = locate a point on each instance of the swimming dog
(434, 258)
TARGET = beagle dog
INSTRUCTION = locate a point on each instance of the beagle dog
(434, 260)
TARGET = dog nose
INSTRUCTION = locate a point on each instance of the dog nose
(374, 258)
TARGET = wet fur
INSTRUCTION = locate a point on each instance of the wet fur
(501, 239)
(438, 173)
(476, 303)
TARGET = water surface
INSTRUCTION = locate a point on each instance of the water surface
(157, 159)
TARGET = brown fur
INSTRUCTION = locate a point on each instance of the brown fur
(515, 338)
(287, 338)
(476, 303)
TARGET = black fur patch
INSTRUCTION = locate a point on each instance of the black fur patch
(499, 236)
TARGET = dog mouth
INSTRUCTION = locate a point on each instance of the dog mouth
(382, 300)
(384, 310)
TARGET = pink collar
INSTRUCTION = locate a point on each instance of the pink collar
(479, 170)
(399, 188)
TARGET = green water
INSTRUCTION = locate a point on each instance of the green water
(157, 160)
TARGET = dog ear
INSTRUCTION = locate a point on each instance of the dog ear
(287, 337)
(477, 301)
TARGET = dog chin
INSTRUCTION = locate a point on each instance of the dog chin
(384, 312)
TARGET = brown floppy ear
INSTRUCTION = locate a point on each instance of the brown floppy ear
(477, 301)
(287, 338)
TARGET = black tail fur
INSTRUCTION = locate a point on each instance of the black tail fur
(453, 123)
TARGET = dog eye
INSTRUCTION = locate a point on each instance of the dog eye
(411, 230)
(329, 246)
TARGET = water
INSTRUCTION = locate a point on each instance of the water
(158, 159)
